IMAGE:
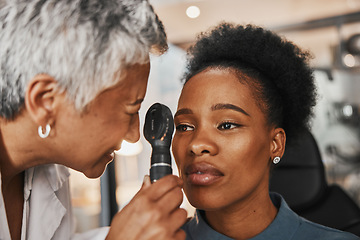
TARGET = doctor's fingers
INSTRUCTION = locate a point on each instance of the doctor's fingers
(165, 229)
(161, 187)
(177, 219)
(180, 235)
(171, 200)
(156, 210)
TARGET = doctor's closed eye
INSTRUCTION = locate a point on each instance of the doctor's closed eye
(133, 114)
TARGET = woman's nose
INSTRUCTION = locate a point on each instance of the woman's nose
(133, 134)
(201, 144)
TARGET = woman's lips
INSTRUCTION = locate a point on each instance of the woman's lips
(202, 174)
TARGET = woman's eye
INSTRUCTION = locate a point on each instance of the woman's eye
(184, 128)
(227, 125)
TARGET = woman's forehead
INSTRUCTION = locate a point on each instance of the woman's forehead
(215, 86)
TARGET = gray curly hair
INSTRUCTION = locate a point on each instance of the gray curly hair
(84, 44)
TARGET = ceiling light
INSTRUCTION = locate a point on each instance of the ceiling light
(193, 12)
(347, 110)
(349, 60)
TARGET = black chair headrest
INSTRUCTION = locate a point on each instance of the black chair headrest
(300, 175)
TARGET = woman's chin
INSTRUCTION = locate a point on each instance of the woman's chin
(202, 204)
(206, 202)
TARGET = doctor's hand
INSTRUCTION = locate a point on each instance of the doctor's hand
(153, 213)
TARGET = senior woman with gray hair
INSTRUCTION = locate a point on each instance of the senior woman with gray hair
(73, 75)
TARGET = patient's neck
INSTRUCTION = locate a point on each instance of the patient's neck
(244, 219)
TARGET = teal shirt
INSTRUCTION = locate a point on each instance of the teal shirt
(287, 225)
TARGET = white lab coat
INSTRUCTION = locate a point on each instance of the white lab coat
(47, 207)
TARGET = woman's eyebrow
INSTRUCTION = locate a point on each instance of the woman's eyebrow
(221, 106)
(183, 111)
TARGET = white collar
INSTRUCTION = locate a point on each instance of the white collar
(55, 173)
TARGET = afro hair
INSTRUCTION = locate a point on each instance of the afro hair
(282, 78)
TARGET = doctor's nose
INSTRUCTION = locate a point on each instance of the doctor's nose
(133, 134)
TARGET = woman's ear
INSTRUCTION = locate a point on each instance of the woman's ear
(39, 98)
(278, 143)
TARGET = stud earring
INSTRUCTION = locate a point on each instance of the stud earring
(46, 133)
(276, 160)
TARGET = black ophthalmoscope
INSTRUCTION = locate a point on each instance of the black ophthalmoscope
(158, 130)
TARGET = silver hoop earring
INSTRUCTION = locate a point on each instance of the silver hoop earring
(46, 133)
(276, 160)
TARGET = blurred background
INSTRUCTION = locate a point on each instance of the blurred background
(329, 29)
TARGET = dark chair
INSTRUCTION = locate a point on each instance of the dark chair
(300, 179)
(109, 206)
